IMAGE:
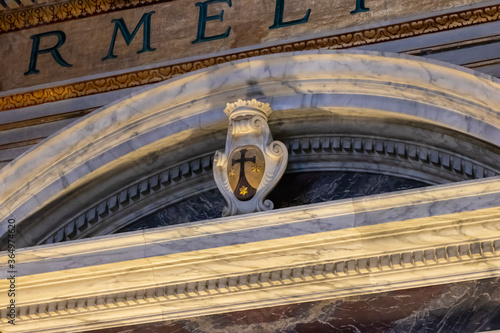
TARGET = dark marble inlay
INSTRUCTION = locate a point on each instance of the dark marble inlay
(312, 187)
(293, 190)
(472, 306)
(204, 206)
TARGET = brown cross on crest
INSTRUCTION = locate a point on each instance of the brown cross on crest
(243, 191)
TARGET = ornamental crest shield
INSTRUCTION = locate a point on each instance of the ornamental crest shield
(252, 163)
(245, 171)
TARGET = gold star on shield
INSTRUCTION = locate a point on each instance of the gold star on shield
(256, 168)
(231, 172)
(243, 190)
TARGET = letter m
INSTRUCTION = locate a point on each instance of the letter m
(120, 25)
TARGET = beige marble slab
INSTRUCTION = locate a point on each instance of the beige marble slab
(442, 234)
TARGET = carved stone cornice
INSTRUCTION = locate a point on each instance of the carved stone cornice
(414, 160)
(130, 140)
(433, 261)
(444, 234)
(95, 217)
(325, 153)
(13, 21)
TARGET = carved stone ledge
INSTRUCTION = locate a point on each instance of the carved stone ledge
(420, 159)
(325, 153)
(299, 276)
(82, 225)
(441, 234)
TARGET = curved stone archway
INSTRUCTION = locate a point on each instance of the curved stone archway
(388, 114)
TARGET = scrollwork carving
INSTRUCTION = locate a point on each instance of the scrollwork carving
(252, 163)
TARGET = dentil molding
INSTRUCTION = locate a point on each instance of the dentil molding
(309, 153)
(441, 234)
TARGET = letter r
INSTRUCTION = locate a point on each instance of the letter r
(35, 50)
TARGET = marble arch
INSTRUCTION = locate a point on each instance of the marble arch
(360, 111)
(431, 109)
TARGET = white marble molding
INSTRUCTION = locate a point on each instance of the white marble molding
(441, 234)
(441, 118)
(166, 124)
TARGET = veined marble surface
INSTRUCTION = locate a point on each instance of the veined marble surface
(464, 307)
(105, 150)
(430, 236)
(293, 190)
(348, 215)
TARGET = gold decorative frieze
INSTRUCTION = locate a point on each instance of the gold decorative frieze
(64, 11)
(338, 41)
(22, 143)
